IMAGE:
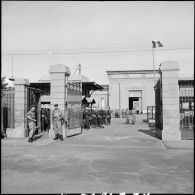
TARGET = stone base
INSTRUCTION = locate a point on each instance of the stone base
(51, 134)
(171, 135)
(159, 133)
(15, 132)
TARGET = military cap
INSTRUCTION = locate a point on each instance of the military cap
(55, 105)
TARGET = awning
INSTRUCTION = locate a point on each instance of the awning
(89, 87)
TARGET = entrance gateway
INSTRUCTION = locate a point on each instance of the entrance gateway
(135, 100)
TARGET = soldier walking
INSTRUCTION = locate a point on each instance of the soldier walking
(57, 122)
(31, 123)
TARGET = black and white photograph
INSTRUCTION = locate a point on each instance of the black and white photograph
(97, 97)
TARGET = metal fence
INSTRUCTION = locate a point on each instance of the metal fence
(158, 105)
(7, 108)
(150, 112)
(186, 107)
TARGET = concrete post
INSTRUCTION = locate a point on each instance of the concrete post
(20, 109)
(58, 81)
(170, 101)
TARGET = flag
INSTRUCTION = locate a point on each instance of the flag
(153, 44)
(159, 44)
(156, 44)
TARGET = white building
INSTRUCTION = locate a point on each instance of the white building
(132, 88)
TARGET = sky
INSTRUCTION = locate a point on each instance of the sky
(99, 35)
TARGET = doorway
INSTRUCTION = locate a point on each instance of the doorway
(133, 101)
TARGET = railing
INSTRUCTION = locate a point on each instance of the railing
(186, 108)
(158, 105)
(7, 110)
(150, 113)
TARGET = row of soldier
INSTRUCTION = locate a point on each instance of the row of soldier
(91, 118)
(95, 118)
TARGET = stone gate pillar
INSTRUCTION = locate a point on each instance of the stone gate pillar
(20, 109)
(170, 101)
(58, 79)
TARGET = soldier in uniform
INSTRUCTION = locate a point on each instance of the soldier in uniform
(100, 119)
(94, 118)
(108, 116)
(31, 123)
(57, 122)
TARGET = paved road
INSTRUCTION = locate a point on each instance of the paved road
(118, 158)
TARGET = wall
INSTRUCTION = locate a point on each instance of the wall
(146, 85)
(98, 95)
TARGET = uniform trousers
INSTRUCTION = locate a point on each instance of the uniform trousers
(57, 126)
(32, 127)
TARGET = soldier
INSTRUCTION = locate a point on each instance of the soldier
(104, 117)
(100, 119)
(31, 123)
(127, 116)
(134, 116)
(108, 116)
(57, 123)
(94, 118)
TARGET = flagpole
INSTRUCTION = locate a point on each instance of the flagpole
(154, 66)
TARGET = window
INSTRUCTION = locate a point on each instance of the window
(102, 103)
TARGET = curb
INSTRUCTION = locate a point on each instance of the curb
(179, 145)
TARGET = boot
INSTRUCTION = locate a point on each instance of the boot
(61, 137)
(30, 139)
(56, 137)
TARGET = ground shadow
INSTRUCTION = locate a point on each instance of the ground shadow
(150, 132)
(72, 135)
(37, 136)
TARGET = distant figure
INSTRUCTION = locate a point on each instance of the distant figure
(127, 116)
(133, 116)
(31, 123)
(99, 119)
(43, 120)
(47, 114)
(94, 118)
(104, 117)
(108, 116)
(57, 122)
(87, 116)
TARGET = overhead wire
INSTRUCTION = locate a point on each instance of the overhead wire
(91, 52)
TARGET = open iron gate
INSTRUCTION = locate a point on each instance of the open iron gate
(7, 108)
(186, 108)
(34, 98)
(73, 105)
(158, 105)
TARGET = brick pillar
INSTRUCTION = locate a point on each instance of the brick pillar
(170, 101)
(20, 109)
(58, 78)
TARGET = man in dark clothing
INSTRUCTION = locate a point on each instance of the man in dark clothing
(108, 116)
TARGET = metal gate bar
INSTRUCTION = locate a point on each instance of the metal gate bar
(8, 108)
(186, 107)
